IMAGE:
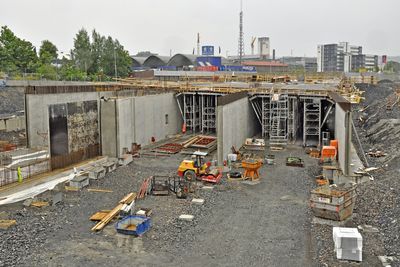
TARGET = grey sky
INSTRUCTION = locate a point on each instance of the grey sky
(161, 25)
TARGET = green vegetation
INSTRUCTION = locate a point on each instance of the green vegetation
(92, 58)
(392, 66)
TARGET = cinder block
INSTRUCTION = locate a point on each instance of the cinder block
(79, 182)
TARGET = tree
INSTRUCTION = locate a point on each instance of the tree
(48, 52)
(16, 55)
(81, 53)
(392, 66)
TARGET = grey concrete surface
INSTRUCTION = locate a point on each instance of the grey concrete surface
(137, 119)
(343, 135)
(236, 121)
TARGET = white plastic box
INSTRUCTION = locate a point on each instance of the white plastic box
(348, 243)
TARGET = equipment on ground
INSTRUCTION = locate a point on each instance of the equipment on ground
(251, 167)
(162, 185)
(294, 162)
(198, 170)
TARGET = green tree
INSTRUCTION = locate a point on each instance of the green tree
(81, 53)
(16, 55)
(48, 52)
(392, 66)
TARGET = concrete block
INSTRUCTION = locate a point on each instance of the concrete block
(27, 202)
(198, 201)
(125, 159)
(79, 182)
(386, 260)
(57, 198)
(109, 166)
(186, 217)
(96, 172)
(368, 228)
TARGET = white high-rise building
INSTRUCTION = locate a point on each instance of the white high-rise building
(264, 47)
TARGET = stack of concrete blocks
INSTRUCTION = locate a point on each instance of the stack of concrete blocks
(54, 196)
(79, 181)
(348, 243)
(110, 165)
(125, 159)
(96, 172)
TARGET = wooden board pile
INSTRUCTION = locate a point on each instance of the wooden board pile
(114, 212)
(201, 143)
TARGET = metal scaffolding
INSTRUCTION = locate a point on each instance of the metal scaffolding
(199, 111)
(191, 114)
(312, 121)
(279, 119)
(265, 115)
(208, 113)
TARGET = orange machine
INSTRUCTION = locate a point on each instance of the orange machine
(328, 153)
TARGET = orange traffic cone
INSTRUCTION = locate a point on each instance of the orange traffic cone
(184, 128)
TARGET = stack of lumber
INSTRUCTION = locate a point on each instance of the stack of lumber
(114, 212)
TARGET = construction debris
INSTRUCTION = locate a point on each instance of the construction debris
(133, 225)
(99, 190)
(294, 162)
(254, 144)
(114, 212)
(98, 216)
(169, 148)
(39, 204)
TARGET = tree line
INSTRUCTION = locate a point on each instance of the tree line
(93, 57)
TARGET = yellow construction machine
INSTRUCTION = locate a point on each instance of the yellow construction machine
(198, 170)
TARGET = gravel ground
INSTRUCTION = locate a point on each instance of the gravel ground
(239, 225)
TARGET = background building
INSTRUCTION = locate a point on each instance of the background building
(343, 57)
(309, 64)
(264, 47)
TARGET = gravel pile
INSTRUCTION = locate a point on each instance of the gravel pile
(11, 100)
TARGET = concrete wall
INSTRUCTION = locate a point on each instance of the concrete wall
(37, 109)
(12, 124)
(236, 121)
(137, 120)
(343, 135)
(108, 124)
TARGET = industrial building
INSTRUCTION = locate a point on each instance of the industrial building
(343, 57)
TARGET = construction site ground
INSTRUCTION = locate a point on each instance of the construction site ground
(267, 224)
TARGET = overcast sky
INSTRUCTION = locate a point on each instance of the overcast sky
(294, 26)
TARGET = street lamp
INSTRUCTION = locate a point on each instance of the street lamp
(115, 64)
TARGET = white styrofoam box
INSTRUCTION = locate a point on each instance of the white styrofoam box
(347, 238)
(349, 254)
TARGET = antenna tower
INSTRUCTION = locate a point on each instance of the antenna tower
(241, 41)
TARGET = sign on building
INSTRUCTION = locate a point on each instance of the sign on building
(207, 50)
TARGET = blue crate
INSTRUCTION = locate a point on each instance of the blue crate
(142, 224)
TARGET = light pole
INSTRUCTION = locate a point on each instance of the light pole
(115, 64)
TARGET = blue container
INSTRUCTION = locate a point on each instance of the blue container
(209, 61)
(133, 225)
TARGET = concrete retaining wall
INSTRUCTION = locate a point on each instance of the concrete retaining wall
(37, 109)
(236, 121)
(137, 120)
(343, 135)
(12, 124)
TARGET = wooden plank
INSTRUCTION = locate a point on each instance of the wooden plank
(114, 212)
(5, 224)
(99, 190)
(40, 204)
(98, 216)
